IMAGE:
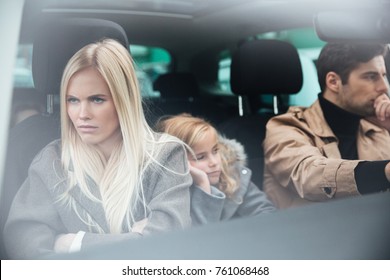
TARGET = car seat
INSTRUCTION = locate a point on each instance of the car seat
(180, 93)
(260, 68)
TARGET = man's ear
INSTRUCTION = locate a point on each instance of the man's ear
(333, 81)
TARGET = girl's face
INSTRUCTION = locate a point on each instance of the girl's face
(207, 157)
(92, 111)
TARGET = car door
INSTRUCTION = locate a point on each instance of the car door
(10, 21)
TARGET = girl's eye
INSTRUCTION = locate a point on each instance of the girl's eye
(216, 150)
(199, 157)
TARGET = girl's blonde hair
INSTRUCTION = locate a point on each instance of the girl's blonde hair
(120, 177)
(191, 130)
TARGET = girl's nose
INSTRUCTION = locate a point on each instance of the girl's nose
(213, 160)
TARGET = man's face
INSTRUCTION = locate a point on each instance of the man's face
(365, 84)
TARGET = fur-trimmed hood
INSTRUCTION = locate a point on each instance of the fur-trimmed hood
(233, 151)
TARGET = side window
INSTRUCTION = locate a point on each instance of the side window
(310, 88)
(22, 70)
(151, 62)
(308, 46)
(224, 71)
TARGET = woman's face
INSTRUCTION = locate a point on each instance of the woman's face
(207, 157)
(91, 109)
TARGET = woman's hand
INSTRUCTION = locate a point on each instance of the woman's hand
(139, 226)
(64, 242)
(200, 178)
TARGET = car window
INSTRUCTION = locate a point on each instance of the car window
(150, 61)
(201, 37)
(308, 46)
(22, 71)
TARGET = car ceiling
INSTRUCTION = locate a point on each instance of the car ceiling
(190, 25)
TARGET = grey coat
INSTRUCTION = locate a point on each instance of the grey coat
(36, 217)
(248, 200)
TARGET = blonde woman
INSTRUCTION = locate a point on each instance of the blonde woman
(110, 177)
(222, 187)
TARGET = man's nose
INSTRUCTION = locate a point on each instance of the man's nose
(383, 86)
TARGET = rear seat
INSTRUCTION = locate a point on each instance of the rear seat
(180, 93)
(260, 67)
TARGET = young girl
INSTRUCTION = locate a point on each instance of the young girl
(222, 187)
(110, 177)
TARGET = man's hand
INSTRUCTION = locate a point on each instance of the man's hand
(382, 107)
(387, 171)
(382, 112)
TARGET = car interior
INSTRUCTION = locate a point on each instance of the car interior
(236, 63)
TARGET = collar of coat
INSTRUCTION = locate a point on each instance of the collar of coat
(233, 151)
(315, 119)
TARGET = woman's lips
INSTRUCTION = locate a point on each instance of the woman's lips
(87, 128)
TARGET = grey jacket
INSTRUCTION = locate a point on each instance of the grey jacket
(248, 200)
(36, 217)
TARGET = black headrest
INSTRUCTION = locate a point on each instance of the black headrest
(57, 41)
(176, 85)
(266, 67)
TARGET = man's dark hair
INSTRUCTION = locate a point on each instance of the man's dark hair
(343, 58)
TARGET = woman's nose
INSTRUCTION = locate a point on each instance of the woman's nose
(84, 113)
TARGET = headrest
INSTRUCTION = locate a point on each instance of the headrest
(176, 85)
(57, 41)
(266, 67)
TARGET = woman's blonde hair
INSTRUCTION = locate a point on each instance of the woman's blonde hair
(191, 130)
(120, 177)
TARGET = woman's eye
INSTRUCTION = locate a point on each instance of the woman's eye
(72, 100)
(97, 100)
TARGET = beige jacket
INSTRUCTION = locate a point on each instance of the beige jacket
(303, 162)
